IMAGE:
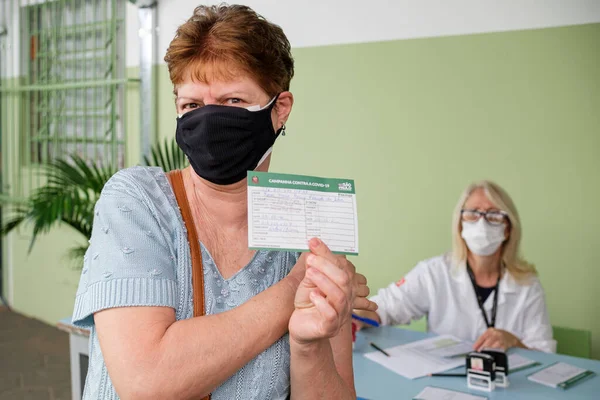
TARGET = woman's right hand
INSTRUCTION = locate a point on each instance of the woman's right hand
(361, 302)
(324, 297)
(298, 271)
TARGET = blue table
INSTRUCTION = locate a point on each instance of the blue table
(375, 382)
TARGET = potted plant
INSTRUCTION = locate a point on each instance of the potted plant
(72, 188)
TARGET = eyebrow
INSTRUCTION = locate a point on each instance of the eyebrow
(177, 99)
(234, 94)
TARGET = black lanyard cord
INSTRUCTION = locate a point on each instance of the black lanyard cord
(480, 301)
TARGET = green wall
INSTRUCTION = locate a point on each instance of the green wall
(415, 121)
(45, 280)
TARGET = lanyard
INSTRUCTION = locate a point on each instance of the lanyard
(480, 300)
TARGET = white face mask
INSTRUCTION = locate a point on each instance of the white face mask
(255, 108)
(481, 237)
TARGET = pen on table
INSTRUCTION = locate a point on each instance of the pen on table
(448, 375)
(373, 345)
(368, 321)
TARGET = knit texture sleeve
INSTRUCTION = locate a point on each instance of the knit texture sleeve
(131, 260)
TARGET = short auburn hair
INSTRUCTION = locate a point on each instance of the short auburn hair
(220, 42)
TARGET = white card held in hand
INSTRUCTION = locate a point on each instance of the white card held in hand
(286, 211)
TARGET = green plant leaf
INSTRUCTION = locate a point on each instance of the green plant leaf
(166, 155)
(72, 188)
(77, 253)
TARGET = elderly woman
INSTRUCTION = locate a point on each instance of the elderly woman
(482, 292)
(231, 71)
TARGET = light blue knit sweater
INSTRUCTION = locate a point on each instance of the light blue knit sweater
(139, 256)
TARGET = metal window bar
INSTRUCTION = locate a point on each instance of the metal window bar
(66, 96)
(9, 100)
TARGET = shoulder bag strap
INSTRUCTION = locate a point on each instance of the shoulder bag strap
(176, 180)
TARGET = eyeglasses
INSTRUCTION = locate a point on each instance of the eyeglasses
(493, 217)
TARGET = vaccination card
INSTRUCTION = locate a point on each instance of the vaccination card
(286, 211)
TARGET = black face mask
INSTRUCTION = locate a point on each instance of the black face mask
(224, 142)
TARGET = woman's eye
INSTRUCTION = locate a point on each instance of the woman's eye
(234, 100)
(190, 106)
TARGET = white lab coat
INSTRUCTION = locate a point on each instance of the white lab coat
(445, 295)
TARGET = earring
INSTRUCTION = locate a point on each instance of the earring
(282, 129)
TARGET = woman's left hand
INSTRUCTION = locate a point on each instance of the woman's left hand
(497, 339)
(326, 296)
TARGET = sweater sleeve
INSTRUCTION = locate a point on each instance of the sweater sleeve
(130, 261)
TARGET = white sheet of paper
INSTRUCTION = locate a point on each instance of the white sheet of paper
(448, 347)
(556, 374)
(516, 361)
(421, 358)
(433, 393)
(286, 211)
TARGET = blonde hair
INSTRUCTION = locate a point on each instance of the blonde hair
(520, 269)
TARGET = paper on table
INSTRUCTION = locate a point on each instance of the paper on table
(420, 358)
(559, 375)
(286, 211)
(433, 393)
(448, 347)
(517, 362)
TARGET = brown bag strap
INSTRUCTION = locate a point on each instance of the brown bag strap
(176, 179)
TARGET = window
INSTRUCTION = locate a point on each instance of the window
(74, 80)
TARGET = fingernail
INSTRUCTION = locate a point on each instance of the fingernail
(310, 259)
(314, 242)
